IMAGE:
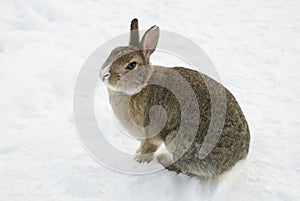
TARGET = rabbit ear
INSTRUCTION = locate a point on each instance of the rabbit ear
(150, 40)
(134, 33)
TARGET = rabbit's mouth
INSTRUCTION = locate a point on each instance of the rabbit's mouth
(104, 73)
(124, 89)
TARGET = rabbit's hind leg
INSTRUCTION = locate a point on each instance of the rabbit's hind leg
(165, 159)
(202, 169)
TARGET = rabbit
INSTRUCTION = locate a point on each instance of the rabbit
(128, 74)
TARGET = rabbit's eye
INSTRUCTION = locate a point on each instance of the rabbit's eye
(131, 65)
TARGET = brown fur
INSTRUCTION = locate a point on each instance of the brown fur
(133, 110)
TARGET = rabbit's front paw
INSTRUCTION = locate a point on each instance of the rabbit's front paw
(143, 158)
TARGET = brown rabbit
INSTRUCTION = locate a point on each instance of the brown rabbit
(139, 90)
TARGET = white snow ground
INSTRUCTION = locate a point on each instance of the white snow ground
(255, 46)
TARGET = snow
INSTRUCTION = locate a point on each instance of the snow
(254, 45)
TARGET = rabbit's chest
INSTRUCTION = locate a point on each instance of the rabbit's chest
(127, 112)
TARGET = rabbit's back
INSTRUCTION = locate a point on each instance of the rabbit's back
(233, 143)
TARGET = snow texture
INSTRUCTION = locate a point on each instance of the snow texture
(255, 46)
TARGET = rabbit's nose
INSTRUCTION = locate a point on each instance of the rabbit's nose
(104, 73)
(105, 76)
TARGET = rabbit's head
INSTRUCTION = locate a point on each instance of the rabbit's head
(127, 69)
